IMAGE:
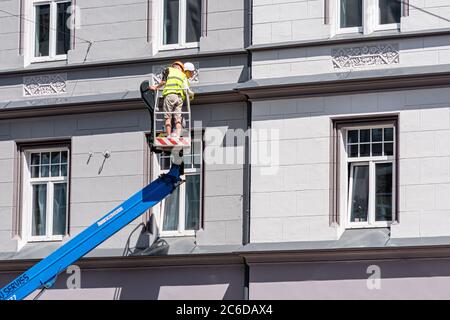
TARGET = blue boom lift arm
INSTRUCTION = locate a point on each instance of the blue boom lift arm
(43, 274)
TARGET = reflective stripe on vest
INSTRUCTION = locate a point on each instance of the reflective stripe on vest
(175, 83)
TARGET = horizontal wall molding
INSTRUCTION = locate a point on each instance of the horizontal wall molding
(350, 39)
(242, 258)
(340, 87)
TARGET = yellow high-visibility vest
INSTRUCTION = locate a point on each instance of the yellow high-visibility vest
(176, 83)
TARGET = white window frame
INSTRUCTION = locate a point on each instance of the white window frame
(348, 182)
(370, 22)
(181, 232)
(52, 37)
(27, 197)
(182, 44)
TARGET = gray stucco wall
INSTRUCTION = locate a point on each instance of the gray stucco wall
(293, 203)
(94, 194)
(9, 33)
(408, 279)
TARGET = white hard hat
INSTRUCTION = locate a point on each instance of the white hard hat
(188, 66)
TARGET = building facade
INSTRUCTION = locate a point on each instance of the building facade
(329, 178)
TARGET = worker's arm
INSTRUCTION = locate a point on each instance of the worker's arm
(165, 74)
(159, 86)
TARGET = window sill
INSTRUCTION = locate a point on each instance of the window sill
(177, 234)
(47, 59)
(166, 48)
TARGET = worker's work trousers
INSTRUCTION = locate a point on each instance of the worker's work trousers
(173, 103)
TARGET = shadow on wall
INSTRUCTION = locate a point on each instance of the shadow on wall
(394, 279)
(158, 283)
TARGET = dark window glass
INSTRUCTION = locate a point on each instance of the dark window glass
(171, 21)
(193, 20)
(364, 150)
(59, 209)
(351, 13)
(354, 151)
(42, 41)
(62, 28)
(389, 134)
(39, 209)
(360, 196)
(388, 149)
(353, 136)
(365, 135)
(390, 11)
(171, 211)
(377, 135)
(192, 202)
(383, 200)
(377, 149)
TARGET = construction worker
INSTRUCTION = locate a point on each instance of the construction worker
(175, 81)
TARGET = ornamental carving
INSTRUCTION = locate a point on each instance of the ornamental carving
(366, 56)
(44, 85)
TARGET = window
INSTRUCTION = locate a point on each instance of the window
(45, 194)
(370, 164)
(389, 13)
(368, 15)
(50, 34)
(181, 25)
(351, 13)
(180, 213)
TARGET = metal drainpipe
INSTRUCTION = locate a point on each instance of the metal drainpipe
(247, 168)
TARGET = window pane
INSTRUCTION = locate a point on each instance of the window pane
(377, 149)
(351, 13)
(59, 209)
(171, 17)
(42, 31)
(193, 20)
(389, 134)
(45, 158)
(171, 211)
(64, 157)
(64, 170)
(45, 171)
(39, 209)
(383, 201)
(353, 151)
(35, 158)
(388, 149)
(56, 157)
(360, 195)
(365, 150)
(192, 202)
(35, 171)
(377, 135)
(55, 170)
(365, 135)
(390, 11)
(353, 136)
(62, 28)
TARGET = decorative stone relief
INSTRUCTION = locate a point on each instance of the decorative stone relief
(366, 56)
(158, 71)
(44, 85)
